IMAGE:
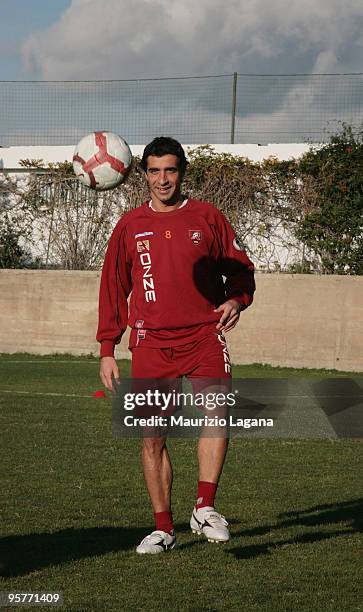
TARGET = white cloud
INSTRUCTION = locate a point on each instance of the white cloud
(306, 112)
(151, 38)
(160, 38)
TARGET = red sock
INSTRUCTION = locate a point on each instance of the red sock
(206, 494)
(164, 521)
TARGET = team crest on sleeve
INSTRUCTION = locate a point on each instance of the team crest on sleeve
(195, 236)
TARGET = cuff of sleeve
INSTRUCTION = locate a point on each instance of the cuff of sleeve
(107, 348)
(244, 301)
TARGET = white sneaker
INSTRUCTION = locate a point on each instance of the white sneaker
(209, 522)
(156, 542)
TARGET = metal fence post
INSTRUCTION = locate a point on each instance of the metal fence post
(234, 100)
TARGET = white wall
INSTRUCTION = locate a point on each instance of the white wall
(280, 253)
(10, 157)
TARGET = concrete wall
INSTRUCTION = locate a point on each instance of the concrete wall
(296, 320)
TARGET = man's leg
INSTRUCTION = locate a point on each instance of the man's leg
(147, 364)
(211, 455)
(150, 364)
(212, 377)
(205, 519)
(158, 473)
(212, 450)
(213, 442)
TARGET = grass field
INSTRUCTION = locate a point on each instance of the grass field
(74, 506)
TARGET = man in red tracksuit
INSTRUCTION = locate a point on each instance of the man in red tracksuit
(189, 279)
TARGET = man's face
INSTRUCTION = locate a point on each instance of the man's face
(164, 178)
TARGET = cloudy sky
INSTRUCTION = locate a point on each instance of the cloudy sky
(116, 39)
(119, 39)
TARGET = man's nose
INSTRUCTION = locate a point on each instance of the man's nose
(163, 178)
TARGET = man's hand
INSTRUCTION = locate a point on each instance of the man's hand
(230, 314)
(109, 369)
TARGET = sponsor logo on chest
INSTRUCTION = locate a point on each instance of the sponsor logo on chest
(143, 245)
(147, 277)
(143, 248)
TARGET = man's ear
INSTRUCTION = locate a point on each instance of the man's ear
(143, 172)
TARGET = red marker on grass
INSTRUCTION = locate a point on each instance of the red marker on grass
(99, 393)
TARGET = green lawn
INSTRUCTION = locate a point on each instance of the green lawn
(74, 506)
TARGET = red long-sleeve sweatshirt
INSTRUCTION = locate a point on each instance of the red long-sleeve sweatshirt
(173, 264)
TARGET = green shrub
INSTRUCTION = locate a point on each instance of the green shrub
(333, 227)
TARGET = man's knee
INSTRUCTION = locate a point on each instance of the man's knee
(153, 446)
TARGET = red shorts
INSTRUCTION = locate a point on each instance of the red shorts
(205, 363)
(204, 358)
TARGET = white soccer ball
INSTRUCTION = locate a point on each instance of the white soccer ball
(101, 160)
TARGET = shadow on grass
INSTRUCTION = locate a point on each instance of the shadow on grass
(255, 550)
(23, 554)
(350, 513)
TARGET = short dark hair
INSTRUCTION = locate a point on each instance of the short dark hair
(164, 145)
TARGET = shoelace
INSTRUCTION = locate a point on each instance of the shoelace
(216, 517)
(153, 538)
